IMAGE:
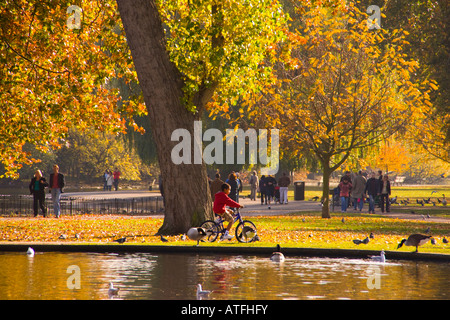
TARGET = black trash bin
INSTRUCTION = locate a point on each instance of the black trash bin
(299, 190)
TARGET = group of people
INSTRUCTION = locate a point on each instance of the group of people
(268, 186)
(37, 189)
(111, 179)
(358, 189)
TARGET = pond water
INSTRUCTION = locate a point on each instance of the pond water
(51, 275)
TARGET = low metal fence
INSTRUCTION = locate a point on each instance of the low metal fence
(22, 205)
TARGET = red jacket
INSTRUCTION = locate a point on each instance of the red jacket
(221, 199)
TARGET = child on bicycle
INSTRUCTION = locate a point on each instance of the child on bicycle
(221, 200)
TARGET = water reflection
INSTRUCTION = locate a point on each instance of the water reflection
(175, 276)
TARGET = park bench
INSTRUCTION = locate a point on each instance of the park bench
(399, 180)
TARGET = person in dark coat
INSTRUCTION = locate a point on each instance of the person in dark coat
(37, 189)
(56, 185)
(263, 189)
(234, 187)
(373, 190)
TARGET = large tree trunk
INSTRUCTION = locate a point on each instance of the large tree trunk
(326, 190)
(186, 191)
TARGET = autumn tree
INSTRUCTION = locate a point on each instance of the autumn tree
(56, 60)
(186, 53)
(346, 87)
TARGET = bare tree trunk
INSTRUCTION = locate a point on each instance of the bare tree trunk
(186, 190)
(326, 190)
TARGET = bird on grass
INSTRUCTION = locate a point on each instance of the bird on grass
(198, 234)
(414, 240)
(380, 258)
(202, 294)
(365, 241)
(163, 239)
(444, 240)
(277, 255)
(112, 291)
(248, 232)
(121, 240)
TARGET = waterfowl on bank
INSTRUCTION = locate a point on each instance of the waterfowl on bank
(197, 234)
(277, 255)
(414, 240)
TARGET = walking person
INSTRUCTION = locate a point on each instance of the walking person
(270, 188)
(109, 181)
(372, 189)
(253, 186)
(284, 183)
(56, 186)
(37, 189)
(234, 186)
(263, 189)
(216, 186)
(358, 188)
(385, 192)
(345, 186)
(116, 176)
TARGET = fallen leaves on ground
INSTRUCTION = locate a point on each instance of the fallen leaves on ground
(293, 231)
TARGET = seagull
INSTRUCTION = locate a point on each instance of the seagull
(380, 258)
(121, 240)
(202, 294)
(414, 240)
(112, 291)
(30, 252)
(277, 255)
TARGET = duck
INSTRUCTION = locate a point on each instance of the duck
(415, 240)
(112, 291)
(381, 258)
(202, 294)
(198, 234)
(30, 252)
(277, 255)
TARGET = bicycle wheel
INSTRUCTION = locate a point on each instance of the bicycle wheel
(213, 228)
(246, 231)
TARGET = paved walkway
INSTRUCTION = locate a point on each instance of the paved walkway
(251, 208)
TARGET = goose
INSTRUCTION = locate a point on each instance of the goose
(112, 291)
(30, 252)
(380, 258)
(444, 201)
(414, 240)
(277, 255)
(248, 232)
(202, 294)
(365, 241)
(198, 234)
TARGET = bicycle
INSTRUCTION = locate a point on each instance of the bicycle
(245, 231)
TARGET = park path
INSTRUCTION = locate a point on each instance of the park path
(252, 208)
